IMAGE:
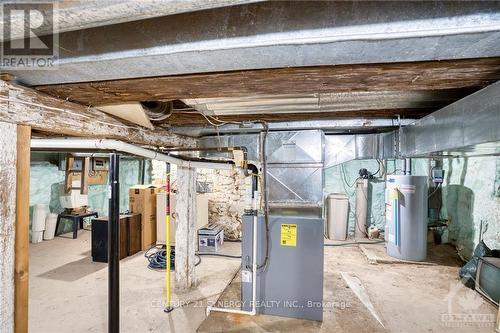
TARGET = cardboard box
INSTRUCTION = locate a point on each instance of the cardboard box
(142, 200)
(201, 215)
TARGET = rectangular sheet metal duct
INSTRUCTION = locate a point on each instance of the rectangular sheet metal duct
(343, 148)
(470, 126)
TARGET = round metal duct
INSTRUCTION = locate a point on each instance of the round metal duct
(157, 111)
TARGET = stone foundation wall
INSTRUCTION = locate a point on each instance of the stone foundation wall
(226, 190)
(226, 203)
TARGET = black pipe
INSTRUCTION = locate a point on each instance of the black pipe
(142, 172)
(114, 245)
(255, 179)
(221, 149)
(215, 149)
(199, 159)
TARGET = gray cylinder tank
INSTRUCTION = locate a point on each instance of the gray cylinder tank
(406, 217)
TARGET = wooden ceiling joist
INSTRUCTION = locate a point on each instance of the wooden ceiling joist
(22, 105)
(429, 75)
(193, 118)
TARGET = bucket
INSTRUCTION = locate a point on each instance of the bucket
(40, 212)
(36, 236)
(50, 226)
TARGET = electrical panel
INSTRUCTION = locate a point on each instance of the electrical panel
(100, 164)
(437, 175)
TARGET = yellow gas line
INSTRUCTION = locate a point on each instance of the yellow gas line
(168, 287)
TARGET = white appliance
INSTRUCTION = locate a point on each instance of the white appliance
(74, 199)
(406, 217)
(337, 216)
(201, 215)
(40, 212)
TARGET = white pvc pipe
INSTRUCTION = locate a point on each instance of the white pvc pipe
(105, 144)
(254, 269)
(254, 280)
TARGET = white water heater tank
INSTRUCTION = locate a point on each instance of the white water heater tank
(406, 217)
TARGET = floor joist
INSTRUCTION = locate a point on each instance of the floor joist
(22, 105)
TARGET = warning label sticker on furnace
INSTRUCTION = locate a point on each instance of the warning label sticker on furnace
(289, 234)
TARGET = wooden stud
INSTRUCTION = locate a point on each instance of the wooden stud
(21, 266)
(7, 224)
(84, 180)
(68, 179)
(498, 321)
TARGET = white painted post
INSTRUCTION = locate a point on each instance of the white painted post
(8, 148)
(185, 234)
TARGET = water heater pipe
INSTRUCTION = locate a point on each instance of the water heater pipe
(408, 166)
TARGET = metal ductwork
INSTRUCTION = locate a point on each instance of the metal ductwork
(343, 148)
(158, 111)
(470, 126)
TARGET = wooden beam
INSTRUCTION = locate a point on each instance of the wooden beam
(428, 75)
(8, 140)
(21, 265)
(22, 105)
(185, 233)
(497, 329)
(194, 118)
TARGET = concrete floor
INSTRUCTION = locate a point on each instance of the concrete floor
(68, 293)
(407, 297)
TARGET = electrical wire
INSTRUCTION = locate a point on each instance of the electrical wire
(356, 243)
(158, 259)
(435, 190)
(217, 255)
(265, 192)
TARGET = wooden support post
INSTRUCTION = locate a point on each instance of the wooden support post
(21, 266)
(8, 139)
(497, 326)
(185, 234)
